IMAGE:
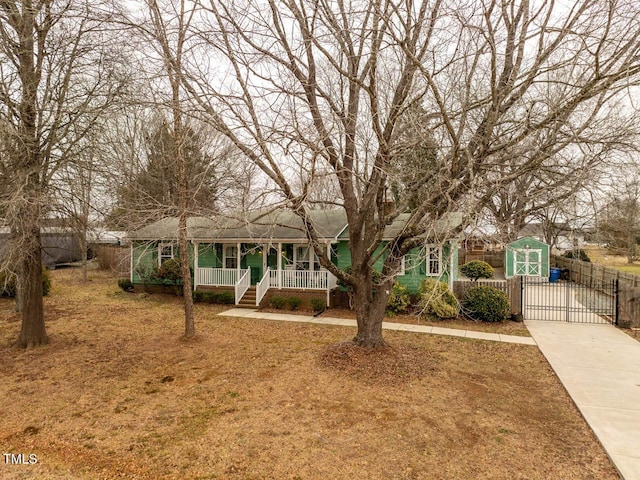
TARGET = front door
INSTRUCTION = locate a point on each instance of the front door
(528, 263)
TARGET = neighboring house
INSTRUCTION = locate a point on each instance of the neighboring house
(60, 245)
(269, 254)
(559, 236)
(106, 237)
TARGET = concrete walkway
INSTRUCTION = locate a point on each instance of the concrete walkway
(285, 317)
(600, 367)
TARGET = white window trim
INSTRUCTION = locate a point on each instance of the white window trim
(162, 258)
(224, 255)
(312, 259)
(428, 249)
(402, 270)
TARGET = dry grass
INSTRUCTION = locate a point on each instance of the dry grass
(119, 394)
(462, 323)
(602, 256)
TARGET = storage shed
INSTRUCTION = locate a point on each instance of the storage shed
(527, 257)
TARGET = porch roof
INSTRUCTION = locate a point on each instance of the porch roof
(256, 227)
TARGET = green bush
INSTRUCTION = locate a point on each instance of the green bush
(318, 305)
(169, 271)
(398, 299)
(578, 255)
(46, 282)
(294, 303)
(8, 285)
(277, 302)
(476, 269)
(205, 297)
(125, 284)
(487, 304)
(436, 299)
(225, 298)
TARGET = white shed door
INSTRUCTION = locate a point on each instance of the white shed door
(528, 262)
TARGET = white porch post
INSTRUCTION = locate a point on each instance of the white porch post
(450, 266)
(131, 263)
(196, 247)
(265, 252)
(280, 265)
(328, 272)
(238, 259)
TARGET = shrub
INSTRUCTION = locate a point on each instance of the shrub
(169, 271)
(578, 255)
(226, 298)
(8, 285)
(125, 284)
(436, 299)
(205, 297)
(46, 282)
(147, 275)
(277, 302)
(476, 269)
(318, 305)
(398, 299)
(198, 296)
(487, 304)
(294, 302)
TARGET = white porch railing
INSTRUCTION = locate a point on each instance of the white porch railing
(243, 284)
(302, 279)
(218, 277)
(263, 286)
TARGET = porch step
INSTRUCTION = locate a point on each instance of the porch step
(249, 299)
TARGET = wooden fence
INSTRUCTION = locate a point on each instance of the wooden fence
(511, 287)
(495, 259)
(113, 257)
(586, 273)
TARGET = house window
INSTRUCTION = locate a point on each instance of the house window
(434, 260)
(165, 252)
(304, 258)
(230, 256)
(401, 269)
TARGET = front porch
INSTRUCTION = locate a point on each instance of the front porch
(254, 269)
(288, 281)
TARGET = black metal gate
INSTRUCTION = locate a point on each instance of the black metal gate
(569, 302)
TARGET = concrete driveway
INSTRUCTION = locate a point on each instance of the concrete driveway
(600, 367)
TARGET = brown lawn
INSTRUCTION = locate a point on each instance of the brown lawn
(119, 394)
(461, 322)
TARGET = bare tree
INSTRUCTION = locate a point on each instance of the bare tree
(325, 85)
(57, 72)
(619, 218)
(76, 189)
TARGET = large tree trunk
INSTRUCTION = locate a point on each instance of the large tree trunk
(83, 250)
(187, 297)
(370, 307)
(33, 331)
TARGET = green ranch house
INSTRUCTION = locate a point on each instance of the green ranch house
(269, 254)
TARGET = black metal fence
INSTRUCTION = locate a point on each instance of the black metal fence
(569, 301)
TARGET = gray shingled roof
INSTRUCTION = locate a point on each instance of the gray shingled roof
(277, 225)
(443, 227)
